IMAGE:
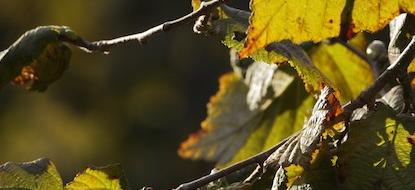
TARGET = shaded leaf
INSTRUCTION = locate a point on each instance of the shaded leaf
(313, 78)
(284, 117)
(39, 56)
(394, 98)
(109, 178)
(265, 82)
(402, 29)
(298, 149)
(298, 21)
(320, 175)
(230, 121)
(296, 155)
(377, 154)
(40, 174)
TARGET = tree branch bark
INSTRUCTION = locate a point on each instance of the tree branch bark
(257, 159)
(143, 37)
(391, 73)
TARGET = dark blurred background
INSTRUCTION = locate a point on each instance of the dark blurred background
(134, 106)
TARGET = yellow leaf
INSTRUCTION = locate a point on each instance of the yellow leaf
(293, 172)
(298, 21)
(373, 15)
(411, 67)
(109, 178)
(196, 4)
(407, 5)
(348, 73)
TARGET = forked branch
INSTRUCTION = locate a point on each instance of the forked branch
(364, 98)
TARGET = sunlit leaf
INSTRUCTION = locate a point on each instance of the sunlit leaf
(196, 4)
(298, 21)
(377, 154)
(407, 5)
(373, 15)
(38, 57)
(348, 73)
(40, 174)
(109, 178)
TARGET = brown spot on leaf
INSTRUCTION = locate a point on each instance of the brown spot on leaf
(411, 139)
(350, 33)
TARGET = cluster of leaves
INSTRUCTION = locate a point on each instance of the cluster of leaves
(263, 101)
(288, 85)
(42, 174)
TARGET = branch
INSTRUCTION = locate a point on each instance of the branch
(364, 98)
(143, 37)
(257, 159)
(367, 96)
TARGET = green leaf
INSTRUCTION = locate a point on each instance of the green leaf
(284, 117)
(378, 153)
(40, 174)
(39, 56)
(106, 178)
(235, 111)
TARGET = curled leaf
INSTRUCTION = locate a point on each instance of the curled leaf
(299, 148)
(39, 57)
(40, 174)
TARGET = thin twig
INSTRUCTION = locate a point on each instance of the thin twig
(257, 159)
(143, 37)
(391, 73)
(364, 98)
